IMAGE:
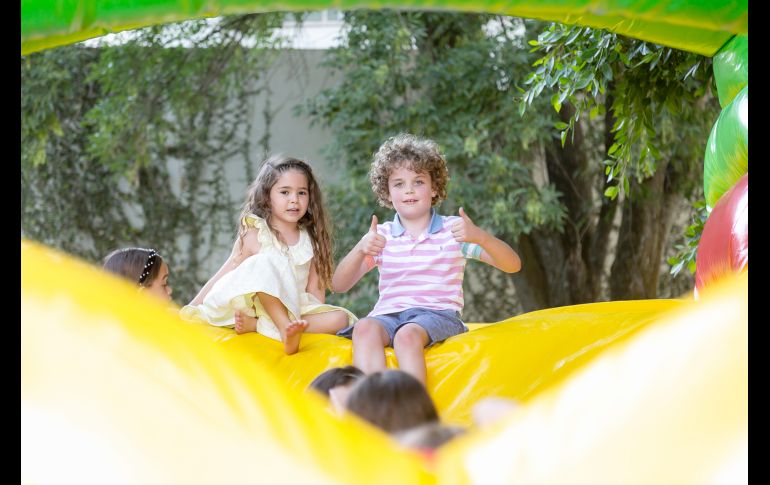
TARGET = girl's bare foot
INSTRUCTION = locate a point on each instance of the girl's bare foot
(244, 323)
(293, 333)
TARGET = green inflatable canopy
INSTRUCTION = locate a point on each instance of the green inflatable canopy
(698, 26)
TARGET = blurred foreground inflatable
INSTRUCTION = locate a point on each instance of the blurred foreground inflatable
(117, 389)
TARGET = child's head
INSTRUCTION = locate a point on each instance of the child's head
(392, 400)
(428, 436)
(416, 154)
(286, 191)
(336, 383)
(145, 267)
(334, 377)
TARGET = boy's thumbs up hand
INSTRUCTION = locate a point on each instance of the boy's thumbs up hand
(372, 243)
(464, 230)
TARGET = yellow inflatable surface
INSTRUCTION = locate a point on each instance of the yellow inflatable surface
(116, 388)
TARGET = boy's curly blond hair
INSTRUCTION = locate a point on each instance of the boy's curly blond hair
(415, 153)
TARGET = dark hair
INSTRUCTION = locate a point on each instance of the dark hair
(314, 221)
(392, 400)
(416, 154)
(336, 376)
(139, 265)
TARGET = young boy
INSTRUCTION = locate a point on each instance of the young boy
(421, 258)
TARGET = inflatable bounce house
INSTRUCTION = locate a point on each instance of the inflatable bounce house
(117, 389)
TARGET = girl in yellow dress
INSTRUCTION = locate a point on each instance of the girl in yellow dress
(275, 280)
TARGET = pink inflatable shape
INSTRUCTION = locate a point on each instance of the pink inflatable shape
(724, 244)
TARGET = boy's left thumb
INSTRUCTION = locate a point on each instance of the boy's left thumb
(462, 213)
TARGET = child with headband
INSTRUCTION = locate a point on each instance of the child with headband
(144, 267)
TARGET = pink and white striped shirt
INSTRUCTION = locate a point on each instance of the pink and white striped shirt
(426, 271)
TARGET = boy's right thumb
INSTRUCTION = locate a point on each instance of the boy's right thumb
(373, 227)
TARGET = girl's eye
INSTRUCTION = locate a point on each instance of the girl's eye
(284, 192)
(302, 192)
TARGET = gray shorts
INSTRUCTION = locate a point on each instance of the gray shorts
(439, 324)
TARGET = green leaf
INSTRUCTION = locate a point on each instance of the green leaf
(563, 138)
(56, 127)
(560, 125)
(691, 71)
(584, 80)
(38, 157)
(606, 71)
(574, 35)
(556, 103)
(593, 113)
(611, 192)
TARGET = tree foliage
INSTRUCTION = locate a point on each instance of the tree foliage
(617, 112)
(657, 97)
(102, 128)
(448, 77)
(102, 125)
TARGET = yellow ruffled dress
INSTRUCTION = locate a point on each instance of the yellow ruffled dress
(278, 270)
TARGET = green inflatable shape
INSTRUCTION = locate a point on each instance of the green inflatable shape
(731, 68)
(727, 151)
(698, 26)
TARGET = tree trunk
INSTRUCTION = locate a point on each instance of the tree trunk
(554, 266)
(647, 218)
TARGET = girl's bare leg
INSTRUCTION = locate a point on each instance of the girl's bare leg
(290, 331)
(409, 342)
(329, 322)
(369, 341)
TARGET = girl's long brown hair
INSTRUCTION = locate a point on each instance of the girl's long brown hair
(314, 221)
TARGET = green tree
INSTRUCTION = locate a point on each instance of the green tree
(102, 125)
(658, 107)
(456, 78)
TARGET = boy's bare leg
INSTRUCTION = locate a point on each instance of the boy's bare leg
(329, 322)
(280, 317)
(369, 341)
(409, 344)
(244, 323)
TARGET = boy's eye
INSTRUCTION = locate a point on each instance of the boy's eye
(419, 182)
(398, 184)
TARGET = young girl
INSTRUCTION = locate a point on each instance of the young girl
(144, 267)
(275, 280)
